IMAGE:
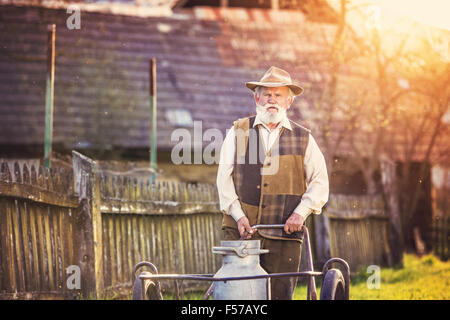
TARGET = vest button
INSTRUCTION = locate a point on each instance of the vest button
(266, 184)
(263, 206)
(258, 186)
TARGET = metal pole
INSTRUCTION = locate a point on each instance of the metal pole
(312, 292)
(153, 118)
(49, 94)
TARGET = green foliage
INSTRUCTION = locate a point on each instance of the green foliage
(425, 278)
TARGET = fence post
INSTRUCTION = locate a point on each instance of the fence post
(88, 225)
(390, 190)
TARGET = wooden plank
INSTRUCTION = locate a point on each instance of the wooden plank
(54, 225)
(49, 249)
(119, 247)
(195, 244)
(189, 245)
(5, 172)
(70, 237)
(63, 236)
(107, 277)
(183, 244)
(18, 245)
(204, 226)
(170, 248)
(37, 194)
(137, 243)
(152, 239)
(160, 243)
(180, 244)
(10, 249)
(123, 248)
(123, 235)
(130, 248)
(4, 245)
(142, 237)
(97, 229)
(203, 241)
(34, 246)
(28, 257)
(112, 250)
(146, 254)
(42, 248)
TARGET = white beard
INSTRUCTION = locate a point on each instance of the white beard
(268, 117)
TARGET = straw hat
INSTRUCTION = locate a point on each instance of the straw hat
(275, 77)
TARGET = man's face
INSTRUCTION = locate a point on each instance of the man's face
(272, 103)
(277, 96)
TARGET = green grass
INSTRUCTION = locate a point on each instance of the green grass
(425, 278)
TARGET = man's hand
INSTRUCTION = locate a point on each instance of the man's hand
(293, 223)
(245, 230)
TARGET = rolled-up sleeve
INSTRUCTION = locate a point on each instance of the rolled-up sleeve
(317, 184)
(228, 199)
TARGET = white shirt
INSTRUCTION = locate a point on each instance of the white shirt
(317, 187)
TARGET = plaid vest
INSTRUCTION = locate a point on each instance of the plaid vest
(269, 183)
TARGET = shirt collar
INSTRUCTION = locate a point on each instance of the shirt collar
(284, 123)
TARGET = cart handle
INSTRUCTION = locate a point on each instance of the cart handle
(268, 226)
(271, 226)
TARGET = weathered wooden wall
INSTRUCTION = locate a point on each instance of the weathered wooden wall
(36, 226)
(102, 222)
(358, 227)
(173, 225)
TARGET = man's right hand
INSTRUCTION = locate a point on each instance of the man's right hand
(245, 230)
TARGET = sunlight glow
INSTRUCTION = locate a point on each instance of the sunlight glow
(431, 12)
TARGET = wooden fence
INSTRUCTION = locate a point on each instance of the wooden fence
(358, 230)
(101, 223)
(104, 223)
(440, 239)
(171, 224)
(37, 207)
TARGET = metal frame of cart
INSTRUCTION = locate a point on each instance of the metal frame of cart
(335, 283)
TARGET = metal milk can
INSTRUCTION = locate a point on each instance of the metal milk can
(241, 258)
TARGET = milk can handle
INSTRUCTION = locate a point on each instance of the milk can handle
(240, 251)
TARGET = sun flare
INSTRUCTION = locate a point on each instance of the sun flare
(431, 12)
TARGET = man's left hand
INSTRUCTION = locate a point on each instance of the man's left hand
(293, 223)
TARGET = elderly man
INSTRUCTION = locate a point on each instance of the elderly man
(271, 171)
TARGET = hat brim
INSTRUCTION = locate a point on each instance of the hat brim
(297, 90)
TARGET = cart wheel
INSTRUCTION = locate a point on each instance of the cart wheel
(333, 286)
(151, 291)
